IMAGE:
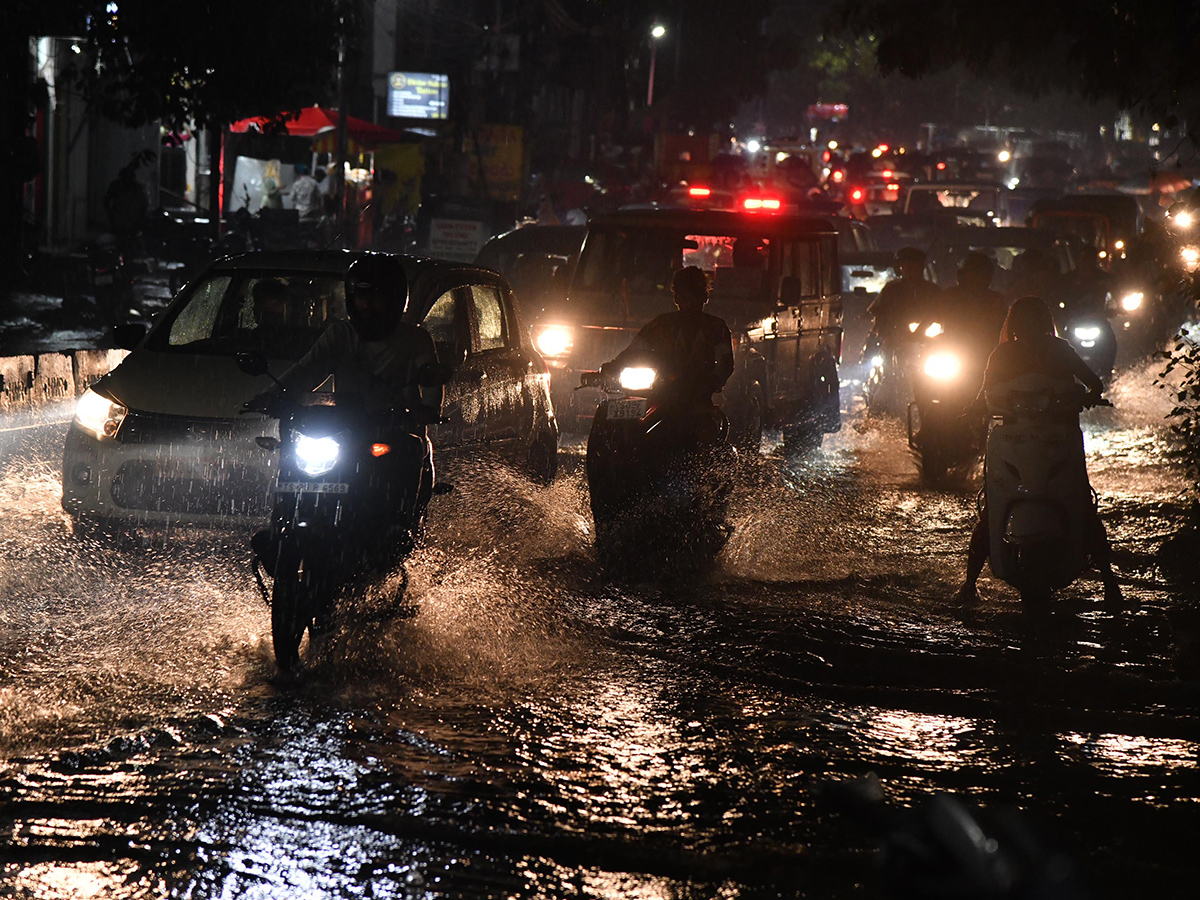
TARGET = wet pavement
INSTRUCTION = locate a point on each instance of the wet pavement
(541, 729)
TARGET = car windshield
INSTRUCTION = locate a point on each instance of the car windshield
(638, 264)
(953, 198)
(277, 313)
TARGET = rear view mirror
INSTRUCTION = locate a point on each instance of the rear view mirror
(127, 337)
(434, 374)
(252, 363)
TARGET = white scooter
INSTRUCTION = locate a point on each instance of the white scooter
(1040, 505)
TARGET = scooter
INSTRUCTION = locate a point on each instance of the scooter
(1040, 505)
(946, 381)
(657, 467)
(350, 501)
(1095, 341)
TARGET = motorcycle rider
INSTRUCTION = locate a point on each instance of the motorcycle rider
(371, 353)
(697, 348)
(971, 313)
(905, 300)
(1028, 346)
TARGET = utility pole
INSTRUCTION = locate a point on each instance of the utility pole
(347, 241)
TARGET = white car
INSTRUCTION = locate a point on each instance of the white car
(160, 438)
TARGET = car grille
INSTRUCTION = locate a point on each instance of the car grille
(189, 487)
(145, 428)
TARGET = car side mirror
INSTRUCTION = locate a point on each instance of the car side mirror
(252, 363)
(434, 374)
(127, 337)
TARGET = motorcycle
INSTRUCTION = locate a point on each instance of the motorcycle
(945, 383)
(1040, 505)
(657, 466)
(1095, 341)
(112, 284)
(350, 501)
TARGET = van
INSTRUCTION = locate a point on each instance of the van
(775, 280)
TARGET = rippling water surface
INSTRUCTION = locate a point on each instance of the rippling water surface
(541, 729)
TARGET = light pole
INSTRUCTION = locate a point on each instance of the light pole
(656, 35)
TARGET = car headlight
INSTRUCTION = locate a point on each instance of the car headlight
(637, 378)
(1132, 301)
(554, 340)
(99, 416)
(1086, 332)
(934, 329)
(943, 366)
(1183, 220)
(1190, 257)
(876, 362)
(316, 455)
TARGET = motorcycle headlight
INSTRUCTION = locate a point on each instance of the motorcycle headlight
(554, 340)
(1183, 220)
(316, 456)
(934, 329)
(99, 416)
(1190, 257)
(1132, 301)
(1086, 332)
(637, 378)
(943, 366)
(876, 362)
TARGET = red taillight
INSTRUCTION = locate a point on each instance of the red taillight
(941, 165)
(380, 449)
(893, 187)
(838, 176)
(699, 192)
(856, 195)
(762, 203)
(887, 173)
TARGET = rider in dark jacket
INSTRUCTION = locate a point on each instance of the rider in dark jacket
(696, 348)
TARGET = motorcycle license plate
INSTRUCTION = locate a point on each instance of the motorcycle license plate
(311, 487)
(104, 279)
(634, 408)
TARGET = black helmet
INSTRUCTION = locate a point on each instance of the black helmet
(690, 281)
(383, 276)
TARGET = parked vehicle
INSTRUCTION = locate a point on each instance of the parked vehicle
(776, 280)
(1039, 502)
(945, 381)
(159, 439)
(658, 467)
(350, 501)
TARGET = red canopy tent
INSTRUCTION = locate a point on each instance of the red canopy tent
(317, 122)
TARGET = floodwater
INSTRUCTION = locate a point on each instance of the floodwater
(542, 730)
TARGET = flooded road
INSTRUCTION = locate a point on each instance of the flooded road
(541, 730)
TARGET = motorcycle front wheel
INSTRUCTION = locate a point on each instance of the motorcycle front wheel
(291, 608)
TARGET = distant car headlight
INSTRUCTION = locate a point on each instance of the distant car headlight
(99, 416)
(943, 366)
(934, 329)
(1086, 332)
(1132, 301)
(316, 455)
(637, 378)
(1191, 257)
(554, 340)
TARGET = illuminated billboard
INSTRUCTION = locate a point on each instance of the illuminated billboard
(418, 95)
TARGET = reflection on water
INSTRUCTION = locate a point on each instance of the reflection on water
(540, 730)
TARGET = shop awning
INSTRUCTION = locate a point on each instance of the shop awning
(321, 124)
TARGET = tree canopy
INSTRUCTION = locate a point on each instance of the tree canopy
(1140, 54)
(212, 60)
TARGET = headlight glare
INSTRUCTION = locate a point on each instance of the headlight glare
(943, 366)
(316, 456)
(1086, 332)
(1190, 257)
(1132, 301)
(876, 362)
(99, 416)
(637, 378)
(934, 329)
(554, 340)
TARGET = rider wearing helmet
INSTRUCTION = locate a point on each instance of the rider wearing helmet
(696, 347)
(909, 299)
(373, 352)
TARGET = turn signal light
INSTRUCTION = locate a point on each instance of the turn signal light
(380, 449)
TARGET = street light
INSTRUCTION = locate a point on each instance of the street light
(656, 34)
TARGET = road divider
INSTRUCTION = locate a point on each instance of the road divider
(35, 380)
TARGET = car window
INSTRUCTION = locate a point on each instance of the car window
(489, 314)
(439, 321)
(831, 275)
(195, 321)
(800, 260)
